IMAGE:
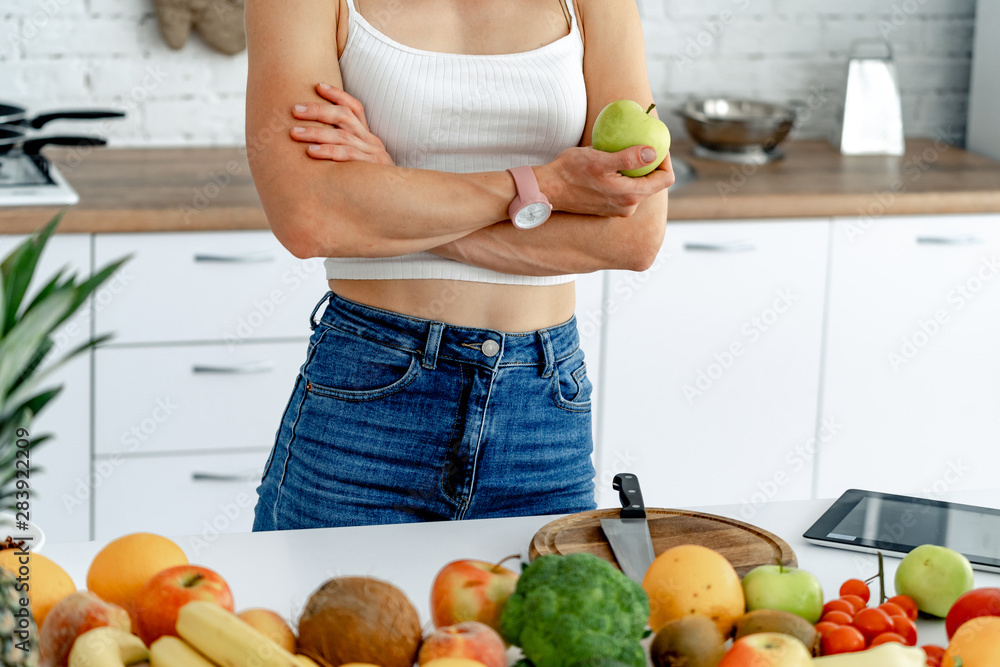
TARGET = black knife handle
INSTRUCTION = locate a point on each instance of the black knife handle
(627, 486)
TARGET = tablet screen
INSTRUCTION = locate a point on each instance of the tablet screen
(900, 523)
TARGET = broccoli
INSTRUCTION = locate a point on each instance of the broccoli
(577, 608)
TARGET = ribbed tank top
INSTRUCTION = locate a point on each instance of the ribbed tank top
(462, 113)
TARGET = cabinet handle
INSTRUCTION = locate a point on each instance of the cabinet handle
(215, 477)
(260, 256)
(948, 240)
(736, 246)
(253, 367)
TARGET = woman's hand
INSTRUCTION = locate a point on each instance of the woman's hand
(585, 180)
(343, 135)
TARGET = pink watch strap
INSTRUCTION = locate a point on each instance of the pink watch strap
(527, 184)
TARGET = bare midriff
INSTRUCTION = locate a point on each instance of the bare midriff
(500, 307)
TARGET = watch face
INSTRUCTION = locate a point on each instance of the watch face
(532, 215)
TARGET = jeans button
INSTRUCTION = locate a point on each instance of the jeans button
(490, 347)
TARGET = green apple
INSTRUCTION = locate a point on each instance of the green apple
(784, 588)
(623, 124)
(934, 576)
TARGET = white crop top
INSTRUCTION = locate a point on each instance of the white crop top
(462, 113)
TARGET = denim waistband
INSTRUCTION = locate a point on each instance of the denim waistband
(488, 348)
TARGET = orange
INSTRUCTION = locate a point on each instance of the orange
(976, 642)
(692, 579)
(120, 570)
(49, 582)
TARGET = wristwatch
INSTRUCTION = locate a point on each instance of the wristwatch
(530, 207)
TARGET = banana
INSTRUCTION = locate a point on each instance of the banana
(107, 647)
(227, 640)
(168, 651)
(305, 660)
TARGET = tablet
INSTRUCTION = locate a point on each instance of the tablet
(870, 521)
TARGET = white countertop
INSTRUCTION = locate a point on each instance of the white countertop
(280, 570)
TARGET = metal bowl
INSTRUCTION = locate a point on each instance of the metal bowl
(724, 125)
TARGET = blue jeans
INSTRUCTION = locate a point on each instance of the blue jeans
(398, 419)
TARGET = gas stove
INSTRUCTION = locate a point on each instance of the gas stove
(31, 180)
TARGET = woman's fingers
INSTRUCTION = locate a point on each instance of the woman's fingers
(342, 98)
(330, 114)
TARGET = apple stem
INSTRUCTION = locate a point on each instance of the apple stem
(507, 558)
(651, 106)
(194, 580)
(881, 579)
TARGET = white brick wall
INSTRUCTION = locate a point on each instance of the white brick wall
(61, 53)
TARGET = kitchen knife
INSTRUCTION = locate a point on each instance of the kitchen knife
(629, 535)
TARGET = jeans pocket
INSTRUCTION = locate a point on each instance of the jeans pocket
(573, 388)
(351, 368)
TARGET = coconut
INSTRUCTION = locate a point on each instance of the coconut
(360, 619)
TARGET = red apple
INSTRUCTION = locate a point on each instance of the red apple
(72, 616)
(975, 603)
(471, 590)
(158, 602)
(470, 639)
(767, 649)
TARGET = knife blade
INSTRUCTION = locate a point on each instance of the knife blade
(629, 535)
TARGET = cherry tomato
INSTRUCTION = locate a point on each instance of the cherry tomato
(905, 628)
(839, 605)
(824, 627)
(892, 609)
(887, 638)
(856, 587)
(978, 602)
(907, 604)
(846, 639)
(934, 655)
(837, 617)
(856, 602)
(872, 622)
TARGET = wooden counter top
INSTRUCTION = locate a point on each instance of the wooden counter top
(189, 189)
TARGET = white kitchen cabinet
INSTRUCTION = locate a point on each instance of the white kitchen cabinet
(912, 356)
(200, 495)
(590, 323)
(192, 398)
(711, 365)
(235, 287)
(60, 501)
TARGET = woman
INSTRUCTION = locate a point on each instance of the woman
(444, 378)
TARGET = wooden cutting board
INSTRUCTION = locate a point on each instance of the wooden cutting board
(746, 546)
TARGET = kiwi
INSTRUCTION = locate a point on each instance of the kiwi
(689, 641)
(774, 620)
(360, 619)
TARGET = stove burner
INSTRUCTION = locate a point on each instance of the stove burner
(30, 180)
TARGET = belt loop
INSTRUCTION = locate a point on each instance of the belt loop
(433, 343)
(312, 318)
(550, 357)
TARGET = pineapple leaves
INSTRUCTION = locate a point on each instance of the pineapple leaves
(27, 329)
(17, 270)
